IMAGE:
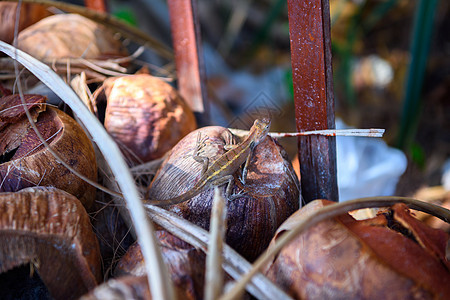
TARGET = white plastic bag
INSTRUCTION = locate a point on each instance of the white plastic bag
(367, 166)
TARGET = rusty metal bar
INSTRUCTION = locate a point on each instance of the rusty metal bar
(309, 26)
(98, 5)
(188, 59)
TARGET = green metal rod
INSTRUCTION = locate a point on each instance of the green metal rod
(423, 27)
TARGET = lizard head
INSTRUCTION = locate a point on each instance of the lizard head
(261, 128)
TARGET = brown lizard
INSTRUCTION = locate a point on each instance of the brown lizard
(222, 170)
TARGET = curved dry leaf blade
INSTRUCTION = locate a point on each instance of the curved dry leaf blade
(126, 287)
(159, 282)
(234, 264)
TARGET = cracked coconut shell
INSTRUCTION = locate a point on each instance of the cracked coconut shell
(270, 196)
(25, 162)
(392, 256)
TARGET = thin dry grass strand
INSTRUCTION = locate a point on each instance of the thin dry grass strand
(78, 84)
(149, 167)
(112, 184)
(159, 281)
(8, 170)
(371, 132)
(214, 273)
(234, 264)
(102, 70)
(43, 176)
(128, 58)
(21, 105)
(129, 155)
(325, 213)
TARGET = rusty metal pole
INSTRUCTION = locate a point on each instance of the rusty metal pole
(186, 39)
(98, 5)
(309, 26)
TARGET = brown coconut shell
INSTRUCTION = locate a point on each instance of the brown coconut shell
(378, 258)
(12, 111)
(29, 14)
(146, 116)
(69, 36)
(437, 195)
(127, 287)
(185, 263)
(25, 162)
(50, 229)
(271, 193)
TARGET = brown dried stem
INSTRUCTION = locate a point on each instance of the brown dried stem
(214, 273)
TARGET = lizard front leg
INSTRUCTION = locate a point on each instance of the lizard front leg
(229, 181)
(204, 160)
(243, 177)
